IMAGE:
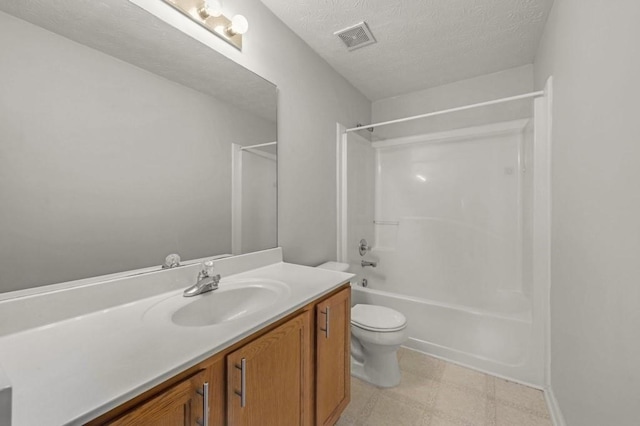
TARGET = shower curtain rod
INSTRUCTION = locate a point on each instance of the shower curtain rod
(258, 145)
(447, 111)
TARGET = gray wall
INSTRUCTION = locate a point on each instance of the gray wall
(591, 48)
(105, 167)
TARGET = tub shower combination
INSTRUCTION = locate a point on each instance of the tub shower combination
(451, 218)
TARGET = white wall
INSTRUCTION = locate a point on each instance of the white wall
(312, 98)
(591, 48)
(105, 167)
(498, 85)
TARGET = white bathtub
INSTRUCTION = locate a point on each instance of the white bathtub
(495, 344)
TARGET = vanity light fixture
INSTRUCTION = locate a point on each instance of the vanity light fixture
(208, 14)
(210, 8)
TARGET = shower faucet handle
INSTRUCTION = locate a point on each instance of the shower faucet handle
(363, 247)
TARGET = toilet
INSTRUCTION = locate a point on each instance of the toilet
(376, 334)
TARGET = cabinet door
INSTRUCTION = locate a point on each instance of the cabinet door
(333, 357)
(181, 404)
(269, 380)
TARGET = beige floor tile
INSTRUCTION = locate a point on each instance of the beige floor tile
(437, 420)
(436, 393)
(462, 405)
(402, 351)
(416, 363)
(522, 397)
(510, 416)
(361, 393)
(491, 419)
(417, 388)
(360, 387)
(395, 411)
(466, 377)
(345, 421)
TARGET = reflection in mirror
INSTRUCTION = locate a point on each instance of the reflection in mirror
(253, 197)
(118, 139)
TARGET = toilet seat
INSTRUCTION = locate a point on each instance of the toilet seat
(377, 318)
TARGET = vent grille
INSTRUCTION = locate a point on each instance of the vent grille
(356, 36)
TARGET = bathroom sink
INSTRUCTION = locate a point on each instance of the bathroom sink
(232, 301)
(222, 306)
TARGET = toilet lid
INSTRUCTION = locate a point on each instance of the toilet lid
(377, 318)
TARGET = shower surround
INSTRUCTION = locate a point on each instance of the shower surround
(450, 218)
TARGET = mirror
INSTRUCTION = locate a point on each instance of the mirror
(123, 140)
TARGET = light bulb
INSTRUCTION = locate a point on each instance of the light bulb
(211, 8)
(239, 25)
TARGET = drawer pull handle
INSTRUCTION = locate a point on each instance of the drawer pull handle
(242, 393)
(205, 404)
(326, 322)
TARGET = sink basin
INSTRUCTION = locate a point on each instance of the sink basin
(232, 301)
(221, 306)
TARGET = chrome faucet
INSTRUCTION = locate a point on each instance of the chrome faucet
(367, 263)
(207, 281)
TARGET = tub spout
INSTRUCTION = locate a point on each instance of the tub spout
(367, 263)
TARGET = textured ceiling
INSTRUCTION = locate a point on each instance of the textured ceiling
(127, 32)
(421, 43)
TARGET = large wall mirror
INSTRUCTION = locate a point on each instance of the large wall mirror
(123, 140)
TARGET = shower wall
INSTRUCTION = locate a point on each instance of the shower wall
(449, 216)
(449, 219)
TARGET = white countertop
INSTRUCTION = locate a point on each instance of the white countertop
(71, 371)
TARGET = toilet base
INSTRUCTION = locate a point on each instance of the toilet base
(381, 370)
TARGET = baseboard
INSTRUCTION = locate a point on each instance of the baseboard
(554, 409)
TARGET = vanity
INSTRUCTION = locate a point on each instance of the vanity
(270, 346)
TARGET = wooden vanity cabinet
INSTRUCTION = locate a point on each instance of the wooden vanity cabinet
(179, 400)
(180, 404)
(333, 357)
(296, 372)
(270, 380)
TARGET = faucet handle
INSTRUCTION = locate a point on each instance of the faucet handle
(363, 247)
(216, 280)
(208, 269)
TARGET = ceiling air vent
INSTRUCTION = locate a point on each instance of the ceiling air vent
(356, 36)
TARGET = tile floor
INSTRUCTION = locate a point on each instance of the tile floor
(437, 393)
